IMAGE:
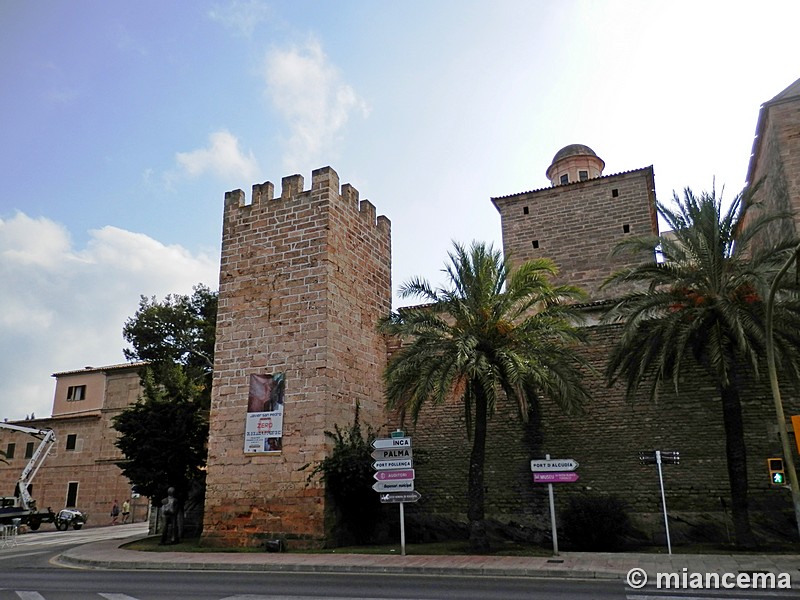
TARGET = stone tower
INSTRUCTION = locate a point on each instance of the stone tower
(303, 279)
(775, 160)
(580, 219)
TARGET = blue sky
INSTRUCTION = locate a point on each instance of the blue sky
(124, 123)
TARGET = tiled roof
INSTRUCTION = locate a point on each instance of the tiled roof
(130, 365)
(570, 183)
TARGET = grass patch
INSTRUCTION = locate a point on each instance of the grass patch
(452, 548)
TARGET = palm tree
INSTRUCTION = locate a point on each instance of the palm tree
(494, 334)
(704, 305)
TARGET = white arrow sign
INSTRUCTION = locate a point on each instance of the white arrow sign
(554, 464)
(380, 465)
(391, 453)
(394, 486)
(392, 443)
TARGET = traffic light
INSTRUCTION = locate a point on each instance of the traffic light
(777, 476)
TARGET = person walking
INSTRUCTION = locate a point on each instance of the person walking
(126, 511)
(115, 512)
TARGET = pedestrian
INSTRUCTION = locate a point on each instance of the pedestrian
(115, 512)
(126, 511)
(169, 508)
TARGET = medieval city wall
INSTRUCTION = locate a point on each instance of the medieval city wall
(304, 278)
(605, 440)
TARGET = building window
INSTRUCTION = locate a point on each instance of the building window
(10, 449)
(29, 450)
(524, 210)
(564, 179)
(76, 392)
(614, 193)
(535, 243)
(626, 228)
(72, 494)
(72, 441)
(583, 175)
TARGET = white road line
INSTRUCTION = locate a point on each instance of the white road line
(30, 596)
(117, 597)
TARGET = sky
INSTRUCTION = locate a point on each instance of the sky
(123, 124)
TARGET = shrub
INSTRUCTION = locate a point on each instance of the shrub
(596, 523)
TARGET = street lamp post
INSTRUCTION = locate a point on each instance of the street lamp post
(776, 392)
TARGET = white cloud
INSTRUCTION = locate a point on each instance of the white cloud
(64, 307)
(243, 16)
(308, 91)
(222, 157)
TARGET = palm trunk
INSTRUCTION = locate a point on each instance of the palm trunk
(478, 538)
(737, 465)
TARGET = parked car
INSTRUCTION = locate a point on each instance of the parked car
(70, 517)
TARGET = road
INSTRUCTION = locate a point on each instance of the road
(27, 574)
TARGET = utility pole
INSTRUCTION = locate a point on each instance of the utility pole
(776, 392)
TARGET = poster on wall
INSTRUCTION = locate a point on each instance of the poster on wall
(264, 427)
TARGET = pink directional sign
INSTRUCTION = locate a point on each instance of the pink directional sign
(394, 475)
(556, 477)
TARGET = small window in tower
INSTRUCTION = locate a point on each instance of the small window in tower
(583, 175)
(72, 441)
(614, 193)
(29, 450)
(564, 179)
(535, 243)
(524, 210)
(10, 449)
(626, 228)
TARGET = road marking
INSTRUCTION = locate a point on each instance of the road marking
(30, 596)
(117, 597)
(17, 555)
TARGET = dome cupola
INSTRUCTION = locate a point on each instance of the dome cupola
(575, 162)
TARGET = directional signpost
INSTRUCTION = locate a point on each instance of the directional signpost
(394, 475)
(661, 457)
(550, 471)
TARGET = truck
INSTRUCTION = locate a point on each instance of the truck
(21, 508)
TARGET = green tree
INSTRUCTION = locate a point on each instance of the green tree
(163, 436)
(180, 330)
(494, 334)
(163, 439)
(702, 305)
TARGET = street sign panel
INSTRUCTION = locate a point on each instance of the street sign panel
(556, 477)
(394, 475)
(405, 463)
(395, 497)
(391, 453)
(394, 486)
(554, 464)
(392, 442)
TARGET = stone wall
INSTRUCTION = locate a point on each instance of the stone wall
(605, 441)
(304, 278)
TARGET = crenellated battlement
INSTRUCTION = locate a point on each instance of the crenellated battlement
(324, 185)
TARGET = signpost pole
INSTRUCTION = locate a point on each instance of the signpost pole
(402, 531)
(552, 514)
(663, 500)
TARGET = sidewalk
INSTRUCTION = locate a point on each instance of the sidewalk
(108, 555)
